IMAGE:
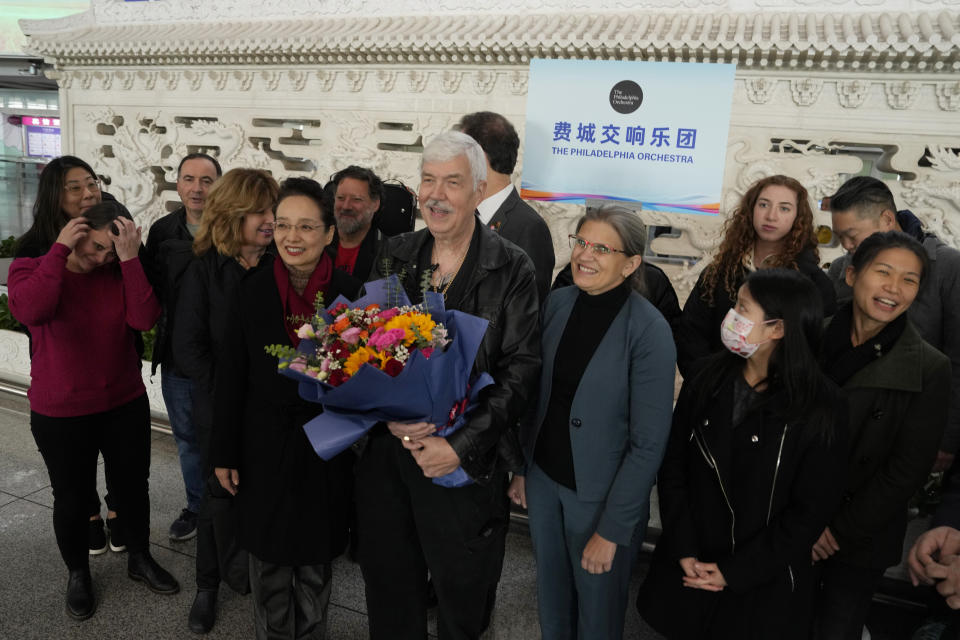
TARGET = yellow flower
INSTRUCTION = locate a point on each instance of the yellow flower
(424, 325)
(412, 324)
(356, 359)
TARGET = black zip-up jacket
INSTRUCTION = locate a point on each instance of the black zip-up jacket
(753, 498)
(503, 289)
(167, 256)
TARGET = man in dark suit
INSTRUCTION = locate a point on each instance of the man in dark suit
(502, 209)
(358, 193)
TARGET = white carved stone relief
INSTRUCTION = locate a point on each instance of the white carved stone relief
(806, 91)
(902, 95)
(759, 90)
(948, 95)
(852, 93)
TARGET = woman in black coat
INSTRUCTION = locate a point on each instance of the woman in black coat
(294, 506)
(235, 232)
(753, 470)
(898, 389)
(772, 227)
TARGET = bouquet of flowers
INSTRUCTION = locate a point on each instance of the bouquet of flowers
(380, 358)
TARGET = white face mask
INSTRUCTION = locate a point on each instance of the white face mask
(734, 331)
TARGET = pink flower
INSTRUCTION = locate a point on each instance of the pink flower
(298, 365)
(382, 340)
(306, 332)
(351, 335)
(389, 313)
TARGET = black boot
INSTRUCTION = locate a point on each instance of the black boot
(203, 613)
(142, 567)
(80, 601)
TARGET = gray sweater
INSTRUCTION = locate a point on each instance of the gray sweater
(935, 313)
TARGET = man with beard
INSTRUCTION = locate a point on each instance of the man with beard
(358, 193)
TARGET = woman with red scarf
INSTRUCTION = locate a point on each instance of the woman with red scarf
(294, 506)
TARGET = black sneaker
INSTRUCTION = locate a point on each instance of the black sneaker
(184, 527)
(118, 537)
(96, 538)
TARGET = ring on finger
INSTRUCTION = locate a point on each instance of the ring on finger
(406, 438)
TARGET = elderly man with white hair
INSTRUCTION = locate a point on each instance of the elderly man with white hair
(407, 524)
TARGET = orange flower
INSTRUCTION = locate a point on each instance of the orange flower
(340, 325)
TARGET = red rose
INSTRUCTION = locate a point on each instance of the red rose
(337, 378)
(339, 349)
(393, 367)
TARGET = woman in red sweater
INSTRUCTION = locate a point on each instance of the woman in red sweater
(80, 301)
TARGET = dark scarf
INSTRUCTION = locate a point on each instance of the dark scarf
(296, 304)
(840, 359)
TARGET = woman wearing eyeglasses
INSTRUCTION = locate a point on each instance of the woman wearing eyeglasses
(772, 227)
(595, 440)
(294, 506)
(68, 187)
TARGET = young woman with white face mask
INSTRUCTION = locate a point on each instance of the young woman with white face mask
(751, 473)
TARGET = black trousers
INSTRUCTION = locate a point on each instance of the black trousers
(70, 447)
(843, 601)
(290, 603)
(407, 525)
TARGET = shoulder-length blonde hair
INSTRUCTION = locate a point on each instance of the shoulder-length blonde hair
(232, 197)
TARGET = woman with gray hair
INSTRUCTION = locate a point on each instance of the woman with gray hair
(595, 441)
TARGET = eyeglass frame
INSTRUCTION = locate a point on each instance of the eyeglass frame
(75, 189)
(598, 248)
(284, 227)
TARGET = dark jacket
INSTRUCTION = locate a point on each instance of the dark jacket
(753, 498)
(294, 507)
(935, 313)
(898, 409)
(166, 259)
(620, 413)
(519, 223)
(369, 249)
(502, 288)
(698, 331)
(660, 291)
(202, 317)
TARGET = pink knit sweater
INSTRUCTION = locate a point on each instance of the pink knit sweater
(83, 355)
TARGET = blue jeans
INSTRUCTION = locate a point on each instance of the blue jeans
(178, 396)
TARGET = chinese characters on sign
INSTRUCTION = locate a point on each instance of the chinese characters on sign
(630, 131)
(635, 136)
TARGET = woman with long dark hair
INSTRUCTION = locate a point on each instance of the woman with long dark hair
(236, 230)
(68, 187)
(80, 301)
(898, 389)
(294, 506)
(771, 227)
(595, 441)
(752, 472)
